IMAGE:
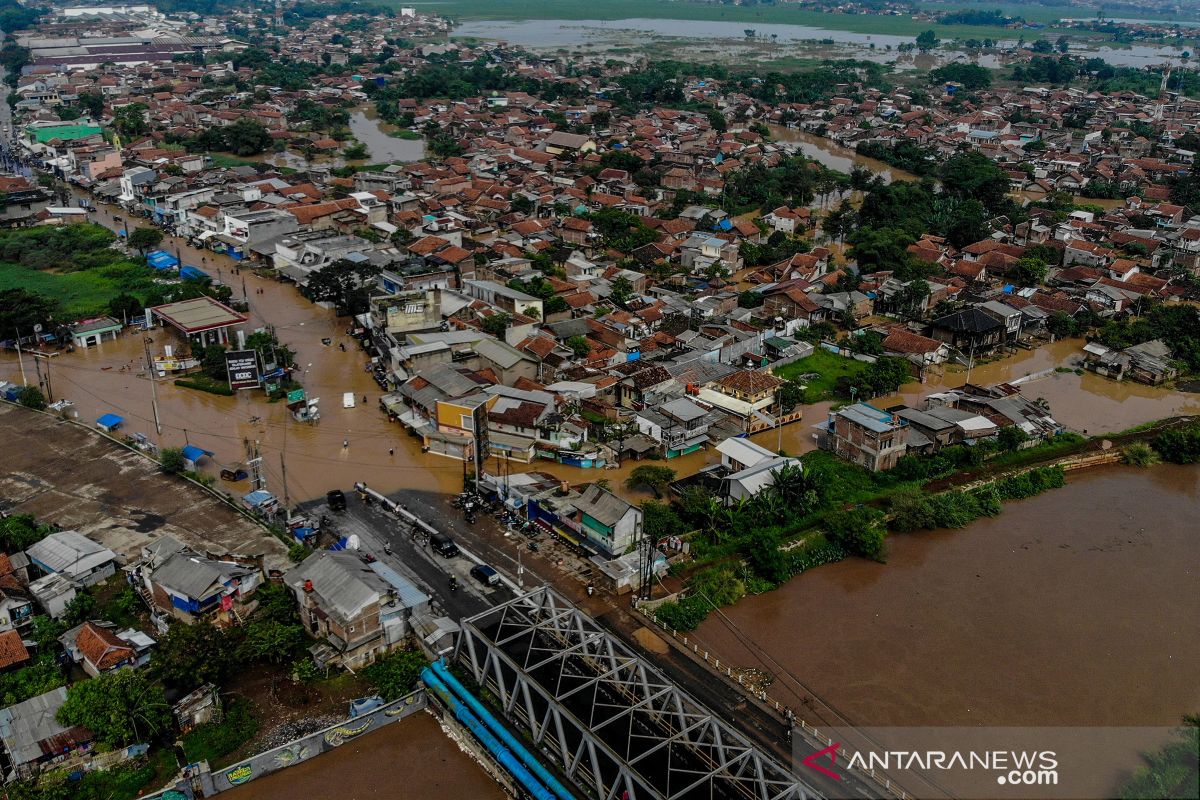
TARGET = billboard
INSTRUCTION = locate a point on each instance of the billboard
(242, 366)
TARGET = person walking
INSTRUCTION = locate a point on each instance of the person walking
(345, 443)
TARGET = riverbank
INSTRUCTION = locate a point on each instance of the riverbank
(954, 629)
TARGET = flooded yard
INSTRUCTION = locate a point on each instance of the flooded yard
(1074, 608)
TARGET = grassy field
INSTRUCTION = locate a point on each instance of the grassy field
(80, 294)
(828, 366)
(711, 12)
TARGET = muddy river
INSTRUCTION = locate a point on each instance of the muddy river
(411, 758)
(1074, 608)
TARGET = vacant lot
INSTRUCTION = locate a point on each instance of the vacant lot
(63, 473)
(79, 294)
(827, 367)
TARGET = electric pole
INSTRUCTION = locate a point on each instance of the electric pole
(286, 501)
(153, 389)
(20, 359)
(37, 362)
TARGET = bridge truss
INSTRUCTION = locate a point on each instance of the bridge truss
(612, 722)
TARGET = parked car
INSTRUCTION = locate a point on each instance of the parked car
(485, 575)
(443, 545)
(336, 499)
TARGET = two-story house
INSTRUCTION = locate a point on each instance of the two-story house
(865, 435)
(356, 611)
(610, 523)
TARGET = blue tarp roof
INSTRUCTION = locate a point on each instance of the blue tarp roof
(188, 271)
(110, 420)
(193, 453)
(257, 498)
(161, 259)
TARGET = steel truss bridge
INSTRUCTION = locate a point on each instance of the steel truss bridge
(614, 725)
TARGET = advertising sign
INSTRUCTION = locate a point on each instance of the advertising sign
(242, 366)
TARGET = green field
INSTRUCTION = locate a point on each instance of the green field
(713, 12)
(829, 366)
(80, 294)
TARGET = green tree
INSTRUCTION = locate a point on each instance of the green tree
(346, 284)
(651, 477)
(858, 531)
(972, 175)
(579, 345)
(92, 103)
(443, 146)
(31, 397)
(20, 310)
(130, 120)
(396, 674)
(119, 707)
(272, 641)
(124, 307)
(190, 655)
(145, 238)
(496, 324)
(660, 519)
(172, 461)
(926, 40)
(621, 290)
(21, 531)
(1030, 271)
(247, 137)
(1010, 438)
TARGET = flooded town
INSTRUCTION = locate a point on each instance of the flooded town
(671, 399)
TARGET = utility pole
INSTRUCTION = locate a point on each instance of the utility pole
(20, 359)
(153, 389)
(286, 500)
(255, 464)
(37, 362)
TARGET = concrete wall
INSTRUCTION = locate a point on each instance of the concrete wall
(302, 749)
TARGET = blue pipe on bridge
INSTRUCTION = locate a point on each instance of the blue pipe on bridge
(480, 731)
(497, 728)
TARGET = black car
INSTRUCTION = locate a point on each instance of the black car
(336, 499)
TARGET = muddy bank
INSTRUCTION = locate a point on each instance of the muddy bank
(410, 758)
(1074, 608)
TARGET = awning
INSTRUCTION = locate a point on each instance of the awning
(109, 421)
(194, 454)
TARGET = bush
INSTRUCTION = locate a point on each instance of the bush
(210, 741)
(396, 674)
(721, 585)
(857, 531)
(683, 615)
(1139, 454)
(203, 383)
(1179, 446)
(172, 460)
(32, 397)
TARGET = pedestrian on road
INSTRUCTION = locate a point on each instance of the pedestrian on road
(345, 443)
(391, 451)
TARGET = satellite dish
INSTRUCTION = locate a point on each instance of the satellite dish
(352, 542)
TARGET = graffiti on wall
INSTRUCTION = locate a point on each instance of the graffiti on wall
(239, 775)
(336, 736)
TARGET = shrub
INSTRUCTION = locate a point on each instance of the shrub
(1139, 454)
(172, 460)
(32, 397)
(857, 531)
(396, 674)
(683, 615)
(721, 585)
(204, 384)
(210, 741)
(1179, 446)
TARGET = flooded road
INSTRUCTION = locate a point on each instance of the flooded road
(410, 758)
(1076, 608)
(316, 460)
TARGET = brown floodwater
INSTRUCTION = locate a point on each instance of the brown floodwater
(410, 758)
(1074, 608)
(315, 456)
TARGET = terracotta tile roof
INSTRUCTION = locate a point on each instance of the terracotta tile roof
(12, 650)
(902, 341)
(101, 647)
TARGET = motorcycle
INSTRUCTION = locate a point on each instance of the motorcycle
(534, 547)
(453, 584)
